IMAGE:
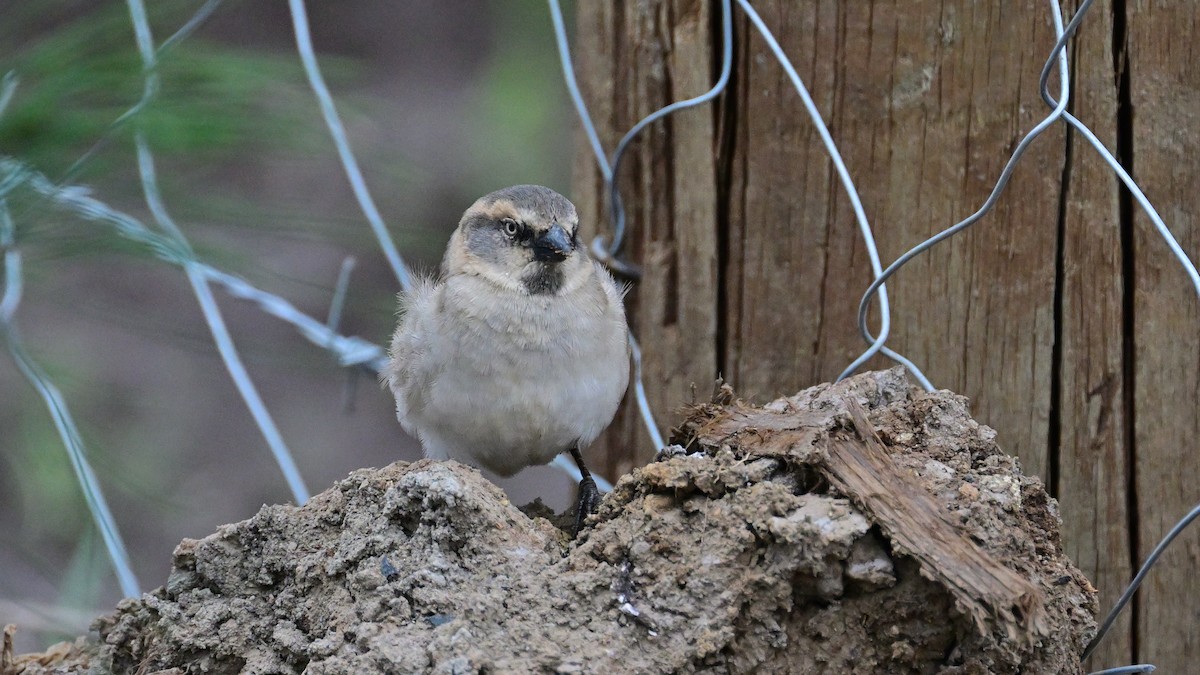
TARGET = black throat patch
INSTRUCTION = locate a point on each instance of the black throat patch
(543, 279)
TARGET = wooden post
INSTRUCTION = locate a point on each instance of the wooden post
(1092, 473)
(634, 60)
(1163, 97)
(1060, 314)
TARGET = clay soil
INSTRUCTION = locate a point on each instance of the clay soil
(860, 527)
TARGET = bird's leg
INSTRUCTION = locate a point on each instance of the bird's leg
(589, 494)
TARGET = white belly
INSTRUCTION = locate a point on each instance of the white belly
(506, 424)
(517, 390)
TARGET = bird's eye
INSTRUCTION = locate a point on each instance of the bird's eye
(510, 227)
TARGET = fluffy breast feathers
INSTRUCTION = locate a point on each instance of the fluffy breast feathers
(492, 375)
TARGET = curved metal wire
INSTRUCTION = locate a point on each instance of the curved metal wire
(860, 214)
(199, 282)
(1123, 670)
(64, 423)
(611, 254)
(1138, 579)
(337, 132)
(1064, 74)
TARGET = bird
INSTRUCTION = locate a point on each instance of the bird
(518, 350)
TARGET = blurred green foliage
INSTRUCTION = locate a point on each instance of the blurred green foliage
(521, 96)
(80, 75)
(223, 118)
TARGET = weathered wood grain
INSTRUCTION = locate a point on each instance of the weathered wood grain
(925, 111)
(1064, 319)
(1092, 473)
(1165, 98)
(925, 114)
(658, 52)
(858, 465)
(920, 526)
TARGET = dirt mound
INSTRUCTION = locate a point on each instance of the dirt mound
(858, 527)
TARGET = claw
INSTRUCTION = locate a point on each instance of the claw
(586, 504)
(589, 494)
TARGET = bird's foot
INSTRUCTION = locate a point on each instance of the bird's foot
(586, 503)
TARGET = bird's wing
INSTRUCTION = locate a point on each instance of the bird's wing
(614, 292)
(406, 372)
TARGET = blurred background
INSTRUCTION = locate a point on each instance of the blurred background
(443, 102)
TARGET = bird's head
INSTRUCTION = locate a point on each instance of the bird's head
(524, 238)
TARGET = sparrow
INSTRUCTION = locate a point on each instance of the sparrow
(519, 350)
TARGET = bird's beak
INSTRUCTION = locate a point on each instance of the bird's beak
(553, 246)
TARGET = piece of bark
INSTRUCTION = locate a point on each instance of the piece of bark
(861, 468)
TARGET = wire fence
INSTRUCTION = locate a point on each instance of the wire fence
(169, 244)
